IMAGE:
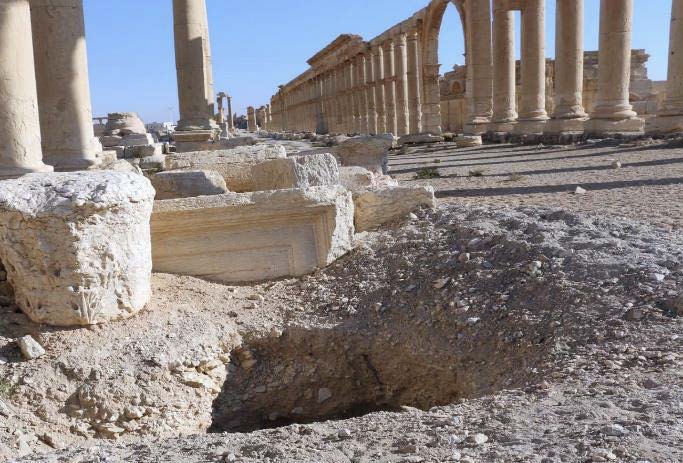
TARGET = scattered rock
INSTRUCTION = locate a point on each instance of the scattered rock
(30, 348)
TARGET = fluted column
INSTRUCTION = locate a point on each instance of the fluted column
(414, 83)
(390, 86)
(478, 17)
(370, 92)
(569, 115)
(231, 116)
(193, 67)
(20, 145)
(379, 90)
(613, 113)
(402, 111)
(68, 137)
(362, 95)
(532, 112)
(504, 91)
(670, 117)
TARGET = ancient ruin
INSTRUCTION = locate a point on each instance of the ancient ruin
(380, 264)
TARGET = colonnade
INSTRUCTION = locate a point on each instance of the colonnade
(391, 85)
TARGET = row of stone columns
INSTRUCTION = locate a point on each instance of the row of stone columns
(45, 106)
(377, 91)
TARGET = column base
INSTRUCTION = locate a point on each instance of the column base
(71, 162)
(564, 131)
(664, 126)
(476, 128)
(194, 135)
(7, 173)
(499, 132)
(615, 128)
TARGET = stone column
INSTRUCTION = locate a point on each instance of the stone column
(613, 113)
(414, 83)
(402, 110)
(20, 145)
(194, 70)
(379, 90)
(569, 116)
(390, 86)
(478, 17)
(431, 101)
(362, 95)
(251, 119)
(370, 92)
(61, 62)
(532, 112)
(670, 117)
(231, 116)
(504, 85)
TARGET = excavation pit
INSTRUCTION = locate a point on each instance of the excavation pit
(309, 375)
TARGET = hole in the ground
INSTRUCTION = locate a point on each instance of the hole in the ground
(308, 375)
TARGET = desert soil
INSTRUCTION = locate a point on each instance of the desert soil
(516, 322)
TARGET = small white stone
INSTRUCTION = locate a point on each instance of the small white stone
(479, 439)
(30, 348)
(580, 191)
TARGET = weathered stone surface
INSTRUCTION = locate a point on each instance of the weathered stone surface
(466, 141)
(252, 236)
(76, 246)
(194, 146)
(380, 205)
(30, 348)
(141, 151)
(175, 184)
(420, 138)
(124, 124)
(296, 172)
(233, 164)
(356, 178)
(368, 152)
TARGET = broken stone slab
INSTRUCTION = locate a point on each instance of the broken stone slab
(419, 139)
(174, 184)
(376, 206)
(195, 146)
(155, 162)
(136, 139)
(124, 124)
(356, 178)
(296, 172)
(252, 236)
(30, 348)
(369, 152)
(467, 141)
(76, 246)
(141, 151)
(234, 165)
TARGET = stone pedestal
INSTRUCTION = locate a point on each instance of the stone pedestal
(613, 114)
(193, 64)
(68, 137)
(20, 143)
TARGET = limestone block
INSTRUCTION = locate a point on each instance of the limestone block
(124, 124)
(233, 164)
(30, 348)
(123, 165)
(368, 152)
(175, 184)
(467, 141)
(377, 206)
(137, 139)
(76, 246)
(155, 162)
(418, 139)
(356, 178)
(296, 172)
(194, 146)
(141, 151)
(252, 236)
(109, 141)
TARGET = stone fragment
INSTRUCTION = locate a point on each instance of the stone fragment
(252, 236)
(76, 245)
(233, 164)
(377, 206)
(356, 178)
(368, 152)
(141, 151)
(196, 146)
(142, 139)
(124, 124)
(173, 184)
(479, 439)
(296, 172)
(580, 191)
(466, 141)
(419, 139)
(30, 349)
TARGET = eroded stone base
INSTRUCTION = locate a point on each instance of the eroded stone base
(664, 126)
(609, 128)
(564, 131)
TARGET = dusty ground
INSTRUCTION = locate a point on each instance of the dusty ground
(476, 332)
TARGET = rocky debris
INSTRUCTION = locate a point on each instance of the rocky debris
(358, 178)
(30, 348)
(296, 172)
(419, 139)
(580, 191)
(174, 184)
(143, 151)
(467, 141)
(368, 152)
(379, 205)
(81, 250)
(234, 165)
(123, 124)
(218, 145)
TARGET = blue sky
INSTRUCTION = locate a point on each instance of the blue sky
(259, 45)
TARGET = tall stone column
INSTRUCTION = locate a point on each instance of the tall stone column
(390, 86)
(569, 116)
(20, 145)
(402, 110)
(370, 93)
(251, 119)
(670, 117)
(194, 70)
(431, 102)
(478, 17)
(231, 115)
(504, 84)
(379, 90)
(414, 83)
(61, 62)
(532, 112)
(613, 113)
(362, 95)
